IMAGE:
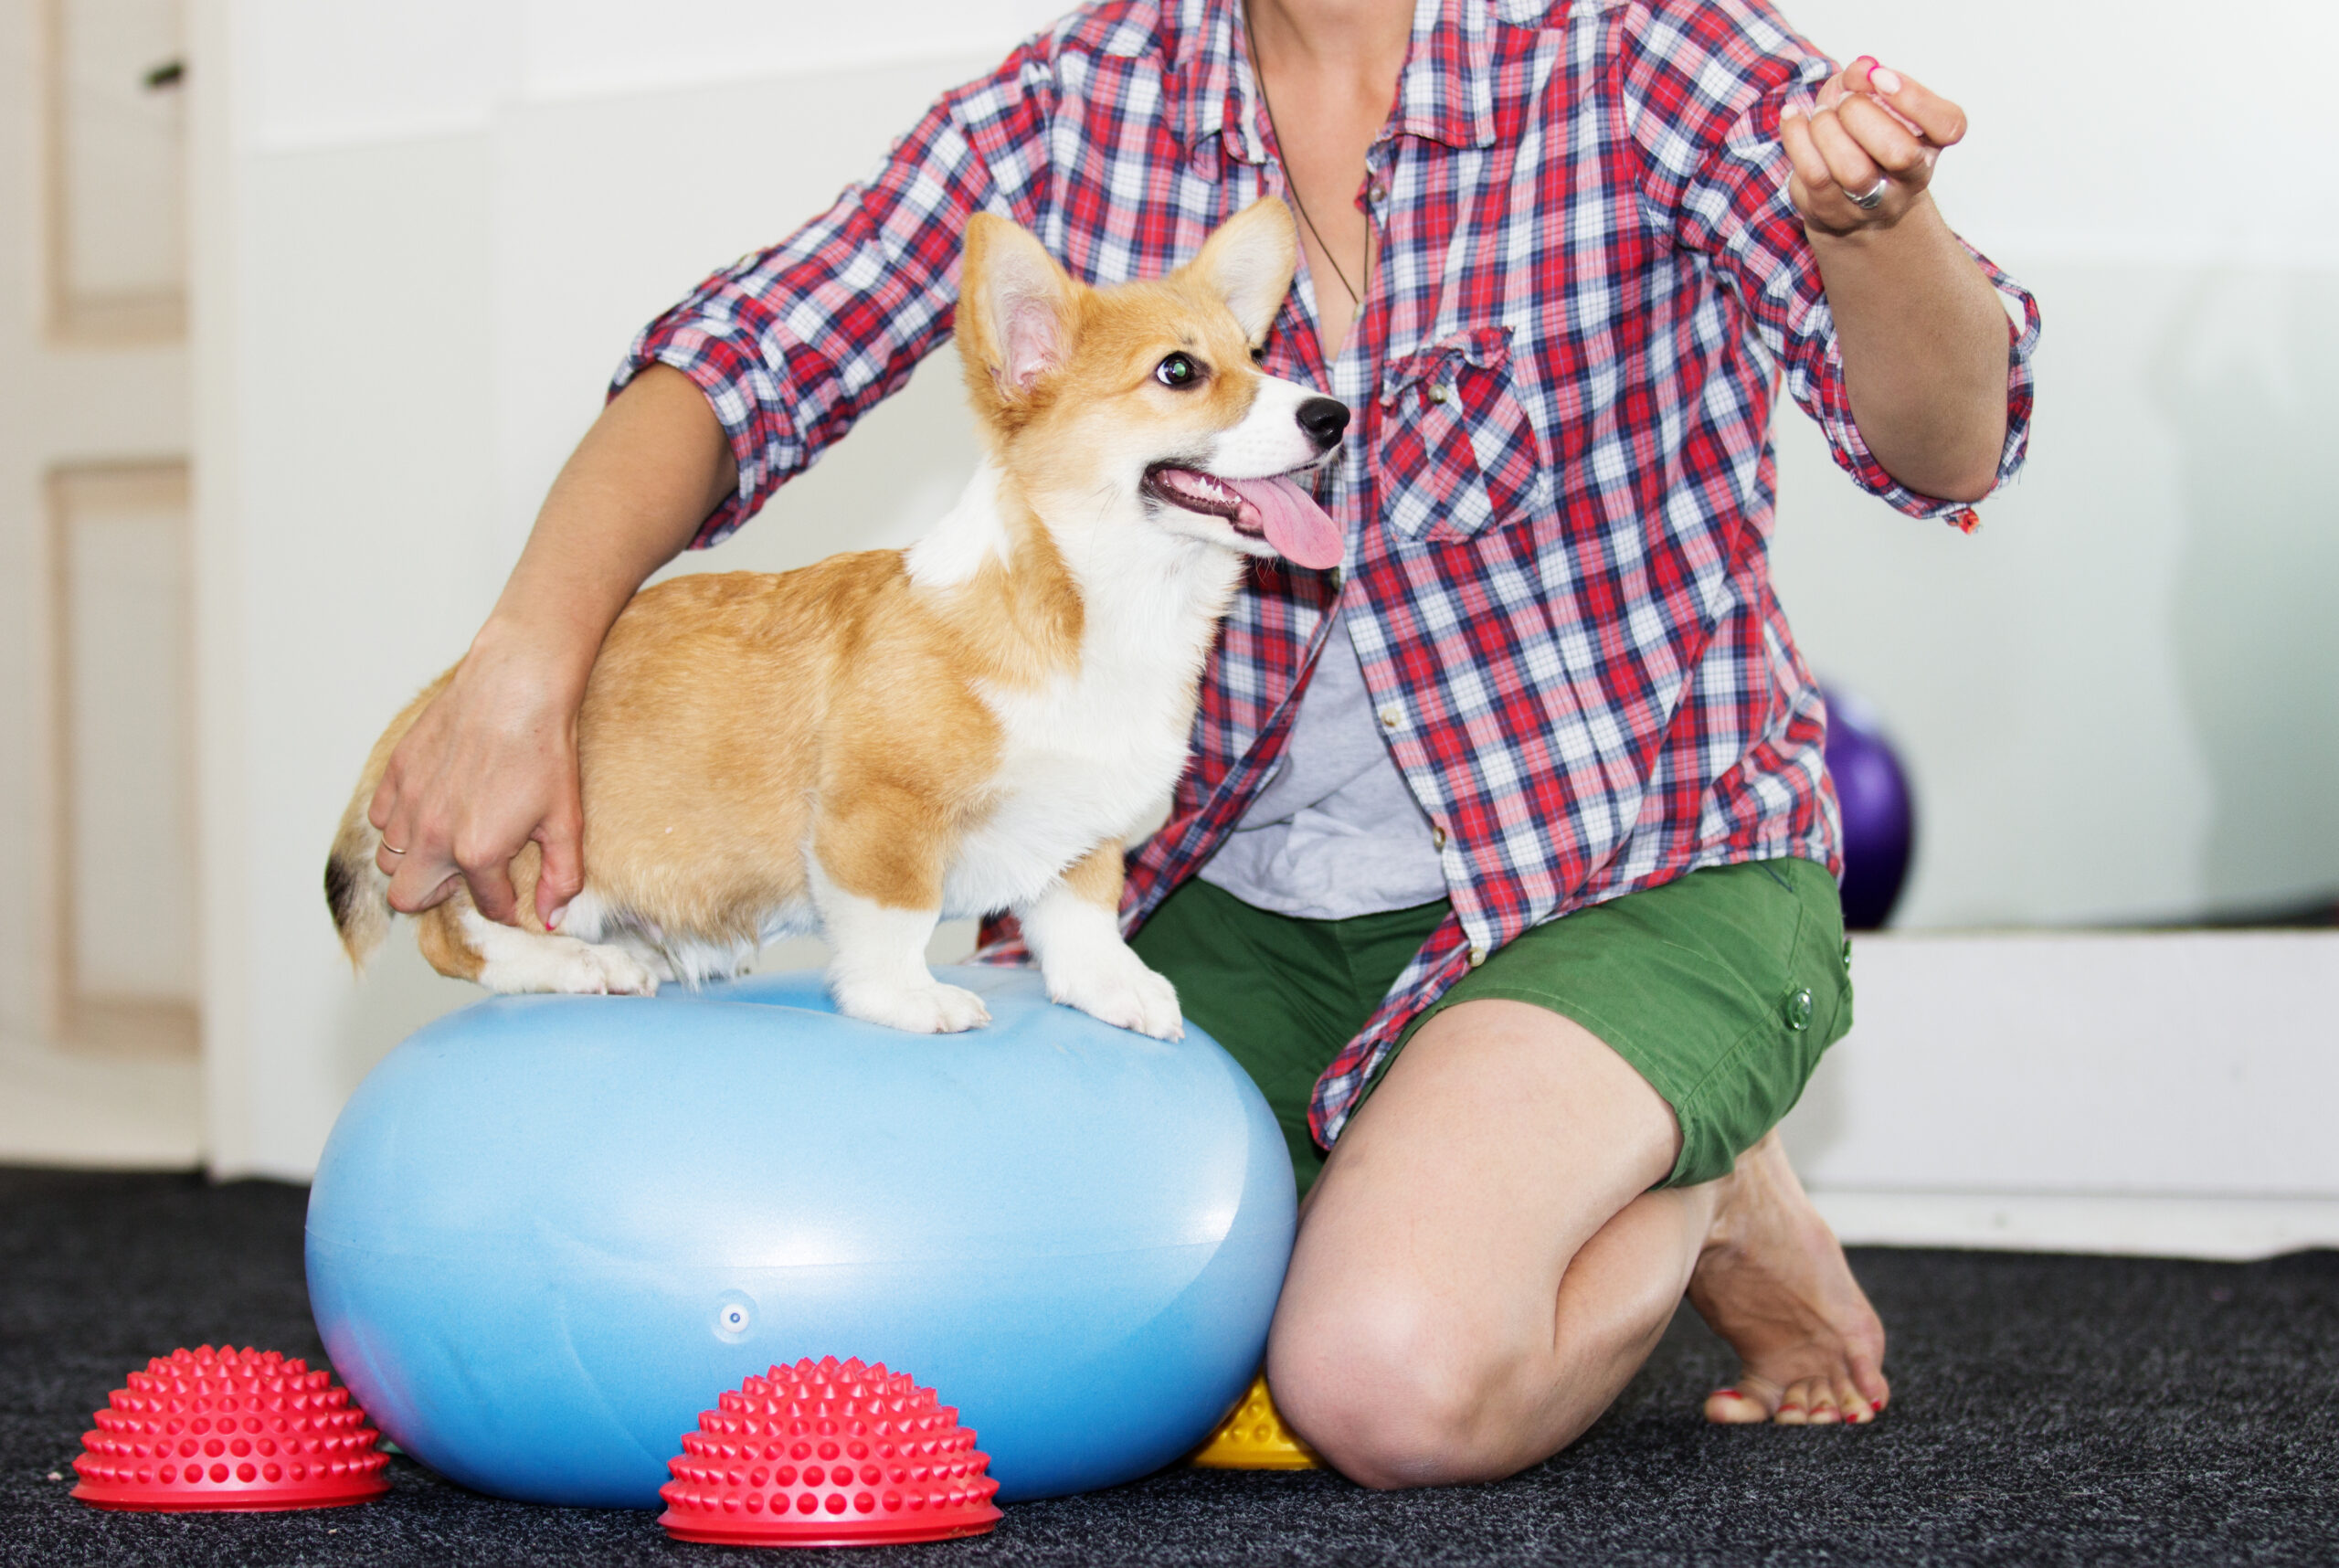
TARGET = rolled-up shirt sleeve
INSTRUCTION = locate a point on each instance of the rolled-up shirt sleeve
(793, 343)
(1705, 85)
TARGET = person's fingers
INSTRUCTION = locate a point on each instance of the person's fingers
(389, 852)
(418, 880)
(1862, 78)
(1848, 165)
(1813, 187)
(1854, 77)
(489, 876)
(1937, 119)
(381, 811)
(411, 854)
(1803, 153)
(422, 877)
(385, 798)
(563, 877)
(1882, 138)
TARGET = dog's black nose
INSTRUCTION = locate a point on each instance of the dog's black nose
(1323, 419)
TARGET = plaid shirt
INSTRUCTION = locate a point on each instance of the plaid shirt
(1557, 491)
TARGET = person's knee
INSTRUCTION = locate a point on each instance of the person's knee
(1393, 1393)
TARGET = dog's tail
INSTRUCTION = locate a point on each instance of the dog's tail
(355, 890)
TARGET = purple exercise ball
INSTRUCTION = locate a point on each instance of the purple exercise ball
(1878, 813)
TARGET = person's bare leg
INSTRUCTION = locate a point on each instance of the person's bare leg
(1773, 1282)
(1481, 1268)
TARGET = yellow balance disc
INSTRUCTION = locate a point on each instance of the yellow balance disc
(1255, 1438)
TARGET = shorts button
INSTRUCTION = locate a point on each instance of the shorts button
(1799, 1009)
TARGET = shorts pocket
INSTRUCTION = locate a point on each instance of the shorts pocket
(1459, 452)
(1794, 1004)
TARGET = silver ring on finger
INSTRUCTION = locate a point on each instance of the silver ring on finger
(391, 847)
(1873, 198)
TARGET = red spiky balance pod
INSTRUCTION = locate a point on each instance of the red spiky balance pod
(242, 1431)
(828, 1454)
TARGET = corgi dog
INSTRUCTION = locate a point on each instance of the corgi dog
(889, 739)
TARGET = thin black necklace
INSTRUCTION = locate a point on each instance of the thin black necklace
(1291, 180)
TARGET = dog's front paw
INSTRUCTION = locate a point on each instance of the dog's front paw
(932, 1008)
(1123, 991)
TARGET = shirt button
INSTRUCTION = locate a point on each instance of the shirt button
(1799, 1011)
(1379, 192)
(1477, 957)
(1437, 394)
(1437, 835)
(1391, 716)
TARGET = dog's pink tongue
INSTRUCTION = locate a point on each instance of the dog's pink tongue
(1298, 528)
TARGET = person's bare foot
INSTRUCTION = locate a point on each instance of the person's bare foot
(1772, 1281)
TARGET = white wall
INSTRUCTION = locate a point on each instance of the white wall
(434, 226)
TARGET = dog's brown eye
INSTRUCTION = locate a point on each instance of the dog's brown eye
(1177, 370)
(1258, 354)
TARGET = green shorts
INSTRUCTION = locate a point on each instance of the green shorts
(1721, 988)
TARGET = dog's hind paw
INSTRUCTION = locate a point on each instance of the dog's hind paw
(601, 970)
(932, 1008)
(512, 960)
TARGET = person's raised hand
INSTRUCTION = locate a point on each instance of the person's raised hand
(1865, 153)
(489, 766)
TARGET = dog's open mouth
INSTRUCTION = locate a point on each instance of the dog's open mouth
(1277, 510)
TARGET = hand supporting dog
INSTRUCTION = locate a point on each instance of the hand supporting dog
(884, 739)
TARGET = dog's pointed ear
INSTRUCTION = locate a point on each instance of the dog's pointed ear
(1016, 306)
(1249, 263)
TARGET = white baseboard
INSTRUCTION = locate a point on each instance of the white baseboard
(2232, 1229)
(2082, 1092)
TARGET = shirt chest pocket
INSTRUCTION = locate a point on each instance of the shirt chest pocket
(1457, 453)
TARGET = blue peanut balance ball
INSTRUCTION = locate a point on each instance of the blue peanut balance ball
(548, 1232)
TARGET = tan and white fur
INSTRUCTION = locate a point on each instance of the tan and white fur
(889, 739)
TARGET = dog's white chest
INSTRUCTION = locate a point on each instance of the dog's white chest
(1088, 753)
(1085, 759)
(1081, 765)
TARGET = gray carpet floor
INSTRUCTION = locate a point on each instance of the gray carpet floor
(2047, 1409)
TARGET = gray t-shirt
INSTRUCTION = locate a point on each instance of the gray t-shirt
(1337, 832)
